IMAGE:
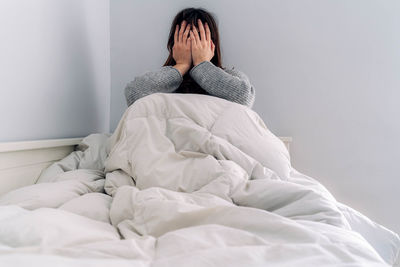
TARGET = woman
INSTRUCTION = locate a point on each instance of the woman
(194, 64)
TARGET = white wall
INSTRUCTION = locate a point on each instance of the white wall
(325, 72)
(54, 68)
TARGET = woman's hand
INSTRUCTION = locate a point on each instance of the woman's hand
(181, 51)
(202, 46)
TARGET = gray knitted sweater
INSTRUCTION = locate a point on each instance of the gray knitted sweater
(230, 84)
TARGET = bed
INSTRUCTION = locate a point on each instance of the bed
(22, 162)
(183, 180)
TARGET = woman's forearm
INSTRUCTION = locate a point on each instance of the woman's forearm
(166, 80)
(231, 85)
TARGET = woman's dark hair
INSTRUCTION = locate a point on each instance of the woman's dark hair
(191, 15)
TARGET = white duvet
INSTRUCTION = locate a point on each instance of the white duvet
(185, 180)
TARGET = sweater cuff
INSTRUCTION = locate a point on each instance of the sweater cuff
(196, 71)
(176, 74)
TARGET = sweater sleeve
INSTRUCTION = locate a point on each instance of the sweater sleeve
(164, 80)
(229, 84)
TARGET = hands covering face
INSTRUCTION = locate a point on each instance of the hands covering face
(195, 48)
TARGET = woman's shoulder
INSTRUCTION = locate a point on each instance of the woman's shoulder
(236, 72)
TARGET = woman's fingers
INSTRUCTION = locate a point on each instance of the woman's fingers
(176, 34)
(191, 36)
(188, 39)
(185, 35)
(202, 31)
(182, 30)
(196, 34)
(208, 32)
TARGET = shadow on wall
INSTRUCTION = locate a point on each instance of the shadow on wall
(55, 66)
(79, 58)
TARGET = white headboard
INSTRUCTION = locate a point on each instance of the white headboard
(22, 162)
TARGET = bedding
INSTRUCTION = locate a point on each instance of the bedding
(185, 180)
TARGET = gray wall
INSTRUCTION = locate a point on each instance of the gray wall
(54, 68)
(325, 72)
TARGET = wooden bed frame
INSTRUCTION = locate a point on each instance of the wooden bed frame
(22, 162)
